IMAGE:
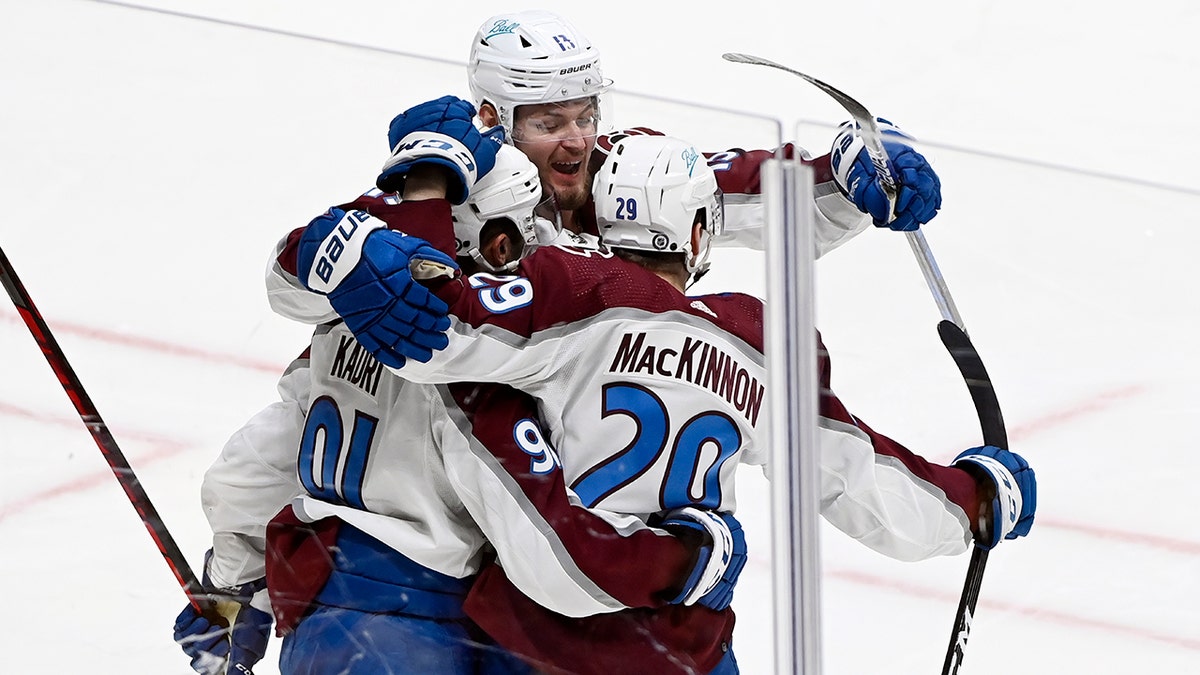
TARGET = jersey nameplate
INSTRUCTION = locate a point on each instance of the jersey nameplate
(694, 361)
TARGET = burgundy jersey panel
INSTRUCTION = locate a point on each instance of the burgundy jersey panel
(428, 219)
(573, 284)
(674, 640)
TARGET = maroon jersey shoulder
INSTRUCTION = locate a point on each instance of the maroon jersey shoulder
(574, 284)
(429, 220)
(737, 170)
(736, 313)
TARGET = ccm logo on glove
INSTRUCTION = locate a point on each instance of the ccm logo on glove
(441, 143)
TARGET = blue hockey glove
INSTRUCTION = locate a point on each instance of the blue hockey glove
(442, 132)
(370, 274)
(1015, 502)
(721, 558)
(918, 189)
(234, 642)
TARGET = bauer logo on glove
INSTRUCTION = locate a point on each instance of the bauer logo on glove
(337, 244)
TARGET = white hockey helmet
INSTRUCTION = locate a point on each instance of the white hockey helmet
(647, 195)
(509, 191)
(531, 57)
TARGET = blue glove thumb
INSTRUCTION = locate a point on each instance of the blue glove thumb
(495, 135)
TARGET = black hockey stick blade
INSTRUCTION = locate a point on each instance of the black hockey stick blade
(108, 445)
(991, 423)
(979, 384)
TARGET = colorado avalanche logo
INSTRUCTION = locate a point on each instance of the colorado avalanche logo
(502, 27)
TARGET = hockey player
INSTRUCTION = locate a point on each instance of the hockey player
(533, 73)
(407, 301)
(398, 492)
(652, 398)
(536, 76)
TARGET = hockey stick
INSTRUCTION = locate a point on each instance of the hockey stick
(107, 444)
(951, 331)
(873, 140)
(991, 421)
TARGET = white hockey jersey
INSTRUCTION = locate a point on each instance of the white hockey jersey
(439, 473)
(652, 398)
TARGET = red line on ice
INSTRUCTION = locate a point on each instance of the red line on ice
(134, 341)
(1095, 404)
(162, 448)
(1124, 536)
(1037, 613)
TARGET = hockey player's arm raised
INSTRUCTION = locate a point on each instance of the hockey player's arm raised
(341, 262)
(845, 193)
(844, 189)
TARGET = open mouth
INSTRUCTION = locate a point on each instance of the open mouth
(569, 168)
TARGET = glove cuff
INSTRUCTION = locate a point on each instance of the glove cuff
(1007, 504)
(714, 558)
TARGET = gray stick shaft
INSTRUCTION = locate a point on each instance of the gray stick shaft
(873, 140)
(933, 277)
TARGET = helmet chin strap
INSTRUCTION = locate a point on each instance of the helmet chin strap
(548, 207)
(697, 263)
(487, 266)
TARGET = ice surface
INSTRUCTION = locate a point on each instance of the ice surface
(151, 160)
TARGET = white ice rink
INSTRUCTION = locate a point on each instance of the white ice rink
(150, 160)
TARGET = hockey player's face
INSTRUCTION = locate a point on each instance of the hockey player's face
(558, 138)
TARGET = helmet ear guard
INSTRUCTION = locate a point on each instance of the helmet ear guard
(649, 193)
(532, 57)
